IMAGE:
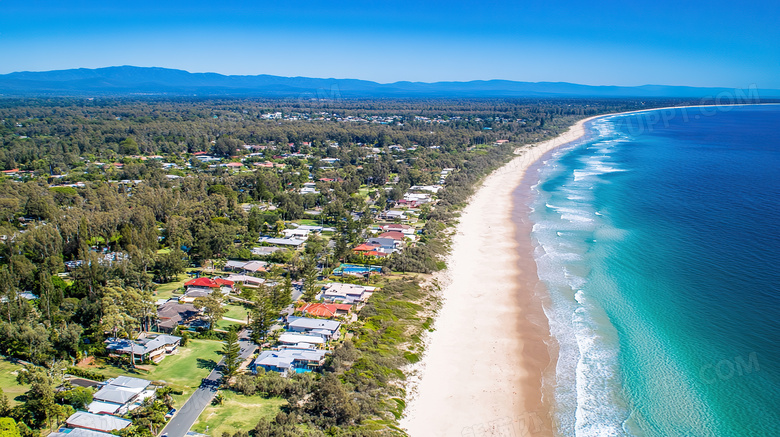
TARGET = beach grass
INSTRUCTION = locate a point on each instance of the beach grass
(237, 413)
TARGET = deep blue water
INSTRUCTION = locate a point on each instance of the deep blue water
(658, 240)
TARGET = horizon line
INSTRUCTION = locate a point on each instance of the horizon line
(377, 82)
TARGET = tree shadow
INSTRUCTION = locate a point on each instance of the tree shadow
(206, 364)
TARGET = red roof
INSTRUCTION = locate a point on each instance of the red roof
(396, 226)
(325, 310)
(395, 235)
(364, 247)
(199, 153)
(374, 253)
(208, 282)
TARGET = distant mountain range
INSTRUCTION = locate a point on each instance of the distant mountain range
(136, 81)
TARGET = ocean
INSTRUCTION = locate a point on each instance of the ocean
(657, 240)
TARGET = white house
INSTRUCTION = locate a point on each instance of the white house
(327, 329)
(96, 422)
(346, 293)
(290, 360)
(298, 233)
(120, 395)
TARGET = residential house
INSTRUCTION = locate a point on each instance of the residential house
(190, 296)
(374, 250)
(301, 340)
(326, 310)
(327, 329)
(208, 285)
(101, 423)
(173, 313)
(232, 265)
(298, 233)
(385, 244)
(264, 250)
(289, 242)
(392, 215)
(418, 198)
(255, 267)
(393, 235)
(289, 360)
(79, 432)
(346, 293)
(398, 227)
(151, 348)
(246, 266)
(315, 229)
(120, 395)
(250, 281)
(429, 188)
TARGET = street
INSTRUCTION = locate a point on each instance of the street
(186, 416)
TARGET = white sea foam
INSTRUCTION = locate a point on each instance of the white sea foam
(586, 384)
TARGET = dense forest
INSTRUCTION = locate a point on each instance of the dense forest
(105, 199)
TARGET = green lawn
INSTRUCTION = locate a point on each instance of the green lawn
(226, 324)
(237, 413)
(165, 291)
(234, 311)
(8, 380)
(307, 222)
(364, 191)
(182, 371)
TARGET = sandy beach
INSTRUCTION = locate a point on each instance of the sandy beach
(481, 374)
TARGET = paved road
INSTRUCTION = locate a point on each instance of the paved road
(201, 398)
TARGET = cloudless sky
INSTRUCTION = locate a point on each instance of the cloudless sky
(600, 42)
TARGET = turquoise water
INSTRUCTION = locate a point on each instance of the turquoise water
(658, 240)
(355, 268)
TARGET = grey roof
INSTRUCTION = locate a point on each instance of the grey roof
(235, 264)
(115, 395)
(176, 310)
(81, 432)
(307, 323)
(255, 265)
(387, 243)
(126, 346)
(121, 389)
(129, 381)
(100, 422)
(285, 358)
(264, 250)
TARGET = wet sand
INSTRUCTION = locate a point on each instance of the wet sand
(482, 371)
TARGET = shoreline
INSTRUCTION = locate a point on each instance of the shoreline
(491, 351)
(482, 371)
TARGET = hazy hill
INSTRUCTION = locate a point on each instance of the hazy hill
(128, 80)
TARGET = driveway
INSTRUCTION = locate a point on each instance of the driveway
(187, 415)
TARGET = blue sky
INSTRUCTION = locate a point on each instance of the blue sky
(712, 43)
